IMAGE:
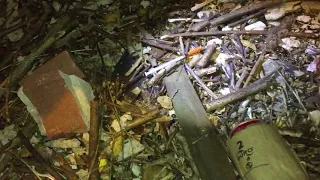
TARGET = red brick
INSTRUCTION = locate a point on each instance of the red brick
(54, 102)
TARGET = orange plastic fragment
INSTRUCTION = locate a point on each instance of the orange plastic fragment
(194, 51)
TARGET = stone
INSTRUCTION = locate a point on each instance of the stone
(57, 97)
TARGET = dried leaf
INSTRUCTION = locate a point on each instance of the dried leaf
(102, 163)
(165, 102)
(145, 4)
(290, 43)
(315, 118)
(249, 44)
(136, 169)
(278, 12)
(131, 147)
(7, 134)
(117, 146)
(64, 143)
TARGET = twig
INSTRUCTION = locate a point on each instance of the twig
(294, 92)
(185, 19)
(201, 5)
(134, 66)
(207, 55)
(142, 120)
(181, 45)
(160, 46)
(157, 77)
(248, 32)
(252, 89)
(213, 33)
(199, 26)
(205, 71)
(194, 60)
(94, 140)
(243, 11)
(25, 141)
(248, 18)
(13, 28)
(256, 67)
(240, 80)
(136, 72)
(164, 65)
(32, 168)
(172, 135)
(202, 85)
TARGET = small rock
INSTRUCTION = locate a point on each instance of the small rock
(290, 43)
(225, 91)
(314, 26)
(315, 21)
(274, 23)
(222, 57)
(226, 28)
(304, 26)
(256, 26)
(214, 41)
(303, 18)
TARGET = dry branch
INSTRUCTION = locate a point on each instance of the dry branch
(243, 11)
(207, 56)
(248, 32)
(145, 119)
(252, 89)
(94, 140)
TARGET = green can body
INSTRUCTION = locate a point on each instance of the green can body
(260, 153)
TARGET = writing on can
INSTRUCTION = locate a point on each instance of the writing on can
(245, 153)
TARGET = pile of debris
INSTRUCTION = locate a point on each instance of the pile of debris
(98, 89)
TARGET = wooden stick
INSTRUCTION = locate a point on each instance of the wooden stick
(143, 120)
(240, 80)
(207, 56)
(252, 89)
(201, 5)
(248, 18)
(194, 60)
(253, 71)
(161, 46)
(94, 140)
(248, 32)
(243, 11)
